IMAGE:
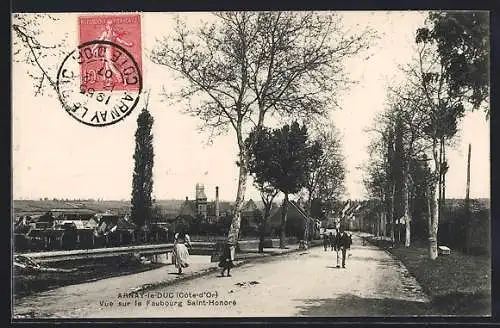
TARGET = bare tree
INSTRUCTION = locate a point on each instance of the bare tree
(379, 177)
(246, 66)
(408, 111)
(325, 180)
(441, 114)
(374, 181)
(399, 141)
(31, 46)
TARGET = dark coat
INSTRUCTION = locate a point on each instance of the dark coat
(343, 240)
(225, 258)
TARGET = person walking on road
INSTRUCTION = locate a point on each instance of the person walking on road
(180, 254)
(336, 246)
(226, 260)
(332, 240)
(325, 240)
(343, 244)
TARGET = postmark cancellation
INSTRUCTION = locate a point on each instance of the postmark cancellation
(100, 82)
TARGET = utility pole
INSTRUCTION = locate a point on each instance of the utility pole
(468, 225)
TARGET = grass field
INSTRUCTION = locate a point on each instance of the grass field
(38, 207)
(26, 207)
(458, 284)
(25, 284)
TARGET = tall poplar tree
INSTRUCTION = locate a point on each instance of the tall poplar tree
(142, 183)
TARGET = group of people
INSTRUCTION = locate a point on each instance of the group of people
(181, 253)
(340, 242)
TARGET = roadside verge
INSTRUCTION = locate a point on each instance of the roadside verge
(458, 284)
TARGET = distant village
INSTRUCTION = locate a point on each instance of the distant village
(92, 224)
(83, 227)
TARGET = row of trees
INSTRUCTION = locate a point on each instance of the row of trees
(448, 76)
(244, 67)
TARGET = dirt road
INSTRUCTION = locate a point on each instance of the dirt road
(298, 284)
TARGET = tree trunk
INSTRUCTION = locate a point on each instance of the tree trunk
(442, 173)
(467, 224)
(284, 212)
(428, 198)
(406, 207)
(361, 221)
(407, 230)
(440, 181)
(433, 224)
(383, 217)
(262, 230)
(308, 213)
(434, 204)
(261, 239)
(443, 193)
(382, 225)
(234, 229)
(391, 212)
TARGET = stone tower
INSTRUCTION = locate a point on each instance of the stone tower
(201, 201)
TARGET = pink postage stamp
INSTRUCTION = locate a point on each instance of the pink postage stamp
(114, 69)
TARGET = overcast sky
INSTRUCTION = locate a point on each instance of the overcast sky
(56, 156)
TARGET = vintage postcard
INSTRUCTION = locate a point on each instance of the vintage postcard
(251, 164)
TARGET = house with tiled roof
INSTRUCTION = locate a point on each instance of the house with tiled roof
(296, 222)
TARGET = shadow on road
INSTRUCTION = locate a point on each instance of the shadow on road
(348, 305)
(466, 304)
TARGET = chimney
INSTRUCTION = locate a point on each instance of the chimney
(217, 204)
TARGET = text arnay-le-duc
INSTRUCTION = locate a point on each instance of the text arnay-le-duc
(181, 295)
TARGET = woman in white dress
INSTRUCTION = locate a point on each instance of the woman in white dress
(181, 254)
